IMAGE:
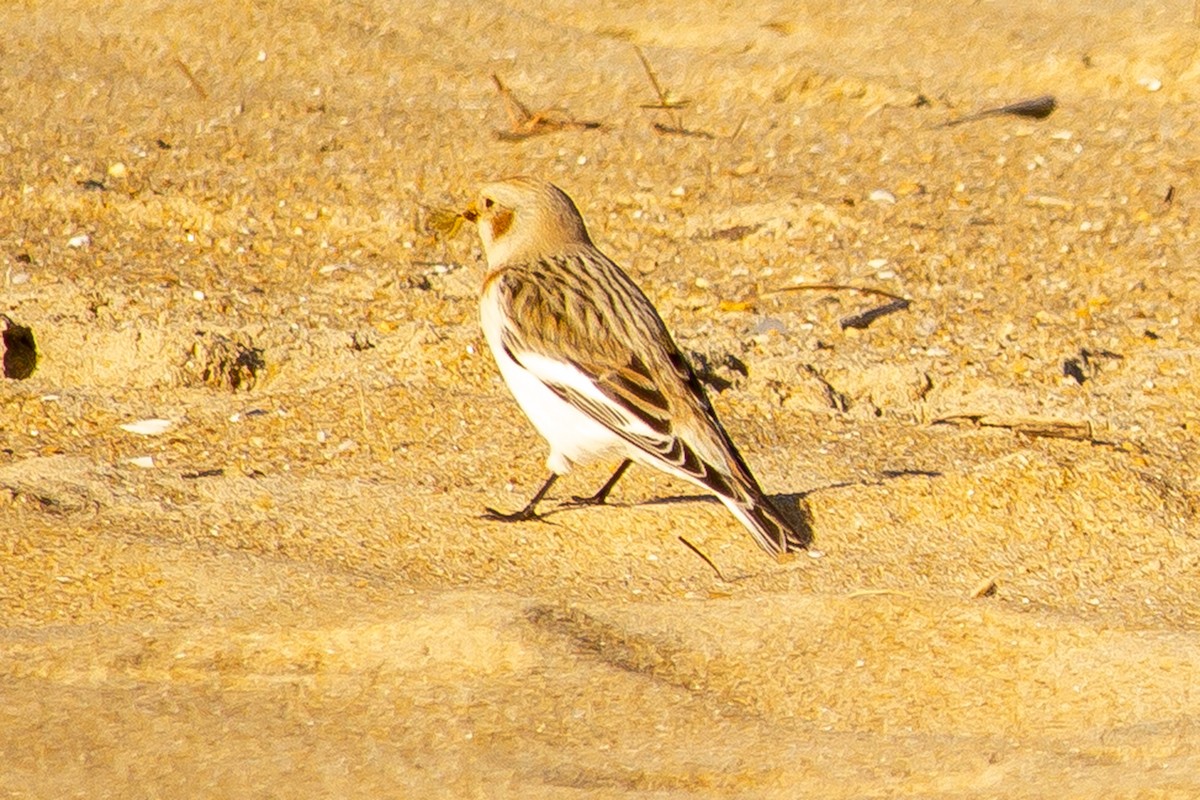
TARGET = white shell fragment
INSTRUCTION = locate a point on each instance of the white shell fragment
(147, 427)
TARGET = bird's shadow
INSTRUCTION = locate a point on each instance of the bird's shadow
(793, 506)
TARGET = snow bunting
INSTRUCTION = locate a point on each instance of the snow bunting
(592, 365)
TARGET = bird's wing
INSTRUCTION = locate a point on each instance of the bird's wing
(608, 354)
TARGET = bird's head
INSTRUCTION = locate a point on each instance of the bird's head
(524, 218)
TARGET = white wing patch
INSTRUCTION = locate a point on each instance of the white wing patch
(575, 386)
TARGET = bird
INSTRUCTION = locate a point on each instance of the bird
(591, 363)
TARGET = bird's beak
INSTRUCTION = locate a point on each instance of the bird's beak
(471, 213)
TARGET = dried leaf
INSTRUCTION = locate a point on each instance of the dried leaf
(444, 222)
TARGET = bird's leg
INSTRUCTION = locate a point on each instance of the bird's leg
(599, 497)
(529, 511)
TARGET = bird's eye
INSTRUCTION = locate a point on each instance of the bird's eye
(488, 202)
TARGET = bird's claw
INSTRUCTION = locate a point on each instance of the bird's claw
(524, 515)
(591, 500)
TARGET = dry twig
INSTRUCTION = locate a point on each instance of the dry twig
(863, 319)
(668, 104)
(705, 558)
(1045, 427)
(524, 123)
(833, 287)
(187, 73)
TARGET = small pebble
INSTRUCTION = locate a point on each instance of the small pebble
(81, 240)
(117, 170)
(926, 326)
(881, 196)
(145, 462)
(767, 325)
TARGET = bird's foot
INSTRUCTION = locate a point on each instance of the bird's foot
(524, 515)
(600, 498)
(597, 499)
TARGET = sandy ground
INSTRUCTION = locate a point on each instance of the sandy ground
(220, 215)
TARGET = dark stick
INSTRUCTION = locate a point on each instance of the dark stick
(706, 559)
(1033, 108)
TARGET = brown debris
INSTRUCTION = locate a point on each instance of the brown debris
(225, 362)
(1039, 107)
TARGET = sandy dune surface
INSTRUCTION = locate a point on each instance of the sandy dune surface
(248, 422)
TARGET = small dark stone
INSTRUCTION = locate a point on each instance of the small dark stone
(20, 350)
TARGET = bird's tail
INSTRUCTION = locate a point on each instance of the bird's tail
(720, 468)
(742, 495)
(772, 531)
